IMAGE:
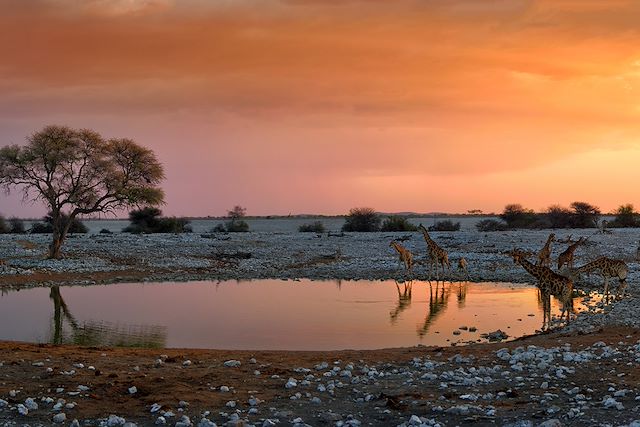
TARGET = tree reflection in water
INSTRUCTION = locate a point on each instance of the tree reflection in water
(100, 333)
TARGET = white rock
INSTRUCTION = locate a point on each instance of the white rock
(115, 420)
(22, 410)
(186, 363)
(133, 390)
(224, 389)
(155, 408)
(232, 363)
(160, 421)
(60, 418)
(291, 383)
(205, 422)
(31, 404)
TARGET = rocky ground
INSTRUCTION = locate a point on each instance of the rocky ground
(586, 374)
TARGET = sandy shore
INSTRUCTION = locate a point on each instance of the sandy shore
(584, 375)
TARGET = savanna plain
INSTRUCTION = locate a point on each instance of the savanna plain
(583, 373)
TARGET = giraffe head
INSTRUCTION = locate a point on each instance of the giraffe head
(516, 254)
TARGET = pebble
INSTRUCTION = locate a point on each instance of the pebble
(60, 418)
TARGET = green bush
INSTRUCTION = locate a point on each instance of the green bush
(490, 225)
(315, 227)
(397, 223)
(362, 219)
(148, 220)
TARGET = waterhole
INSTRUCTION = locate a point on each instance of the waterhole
(275, 314)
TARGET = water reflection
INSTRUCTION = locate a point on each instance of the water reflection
(272, 314)
(100, 333)
(404, 300)
(438, 300)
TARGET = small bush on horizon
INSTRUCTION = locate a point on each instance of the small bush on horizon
(314, 227)
(105, 231)
(3, 226)
(148, 220)
(445, 225)
(16, 226)
(236, 226)
(46, 227)
(626, 216)
(397, 223)
(490, 225)
(362, 220)
(219, 228)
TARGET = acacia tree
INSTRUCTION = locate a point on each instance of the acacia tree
(78, 172)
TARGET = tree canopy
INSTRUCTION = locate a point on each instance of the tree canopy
(78, 172)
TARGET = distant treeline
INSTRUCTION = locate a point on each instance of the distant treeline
(577, 215)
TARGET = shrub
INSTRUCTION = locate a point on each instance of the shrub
(16, 226)
(626, 216)
(105, 231)
(315, 227)
(46, 227)
(585, 215)
(3, 226)
(397, 223)
(236, 226)
(491, 225)
(559, 217)
(517, 216)
(219, 228)
(445, 225)
(149, 220)
(361, 219)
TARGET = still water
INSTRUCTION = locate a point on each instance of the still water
(271, 314)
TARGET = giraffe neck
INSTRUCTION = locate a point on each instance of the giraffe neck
(532, 269)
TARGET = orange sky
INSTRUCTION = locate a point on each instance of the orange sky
(296, 106)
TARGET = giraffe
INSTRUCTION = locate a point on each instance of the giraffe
(608, 267)
(462, 266)
(549, 282)
(436, 254)
(544, 256)
(566, 257)
(405, 255)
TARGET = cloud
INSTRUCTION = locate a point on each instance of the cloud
(449, 82)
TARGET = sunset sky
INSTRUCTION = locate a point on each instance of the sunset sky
(317, 106)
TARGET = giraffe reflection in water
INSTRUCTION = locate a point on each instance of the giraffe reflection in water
(404, 300)
(438, 301)
(100, 333)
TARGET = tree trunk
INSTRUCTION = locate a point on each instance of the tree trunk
(60, 230)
